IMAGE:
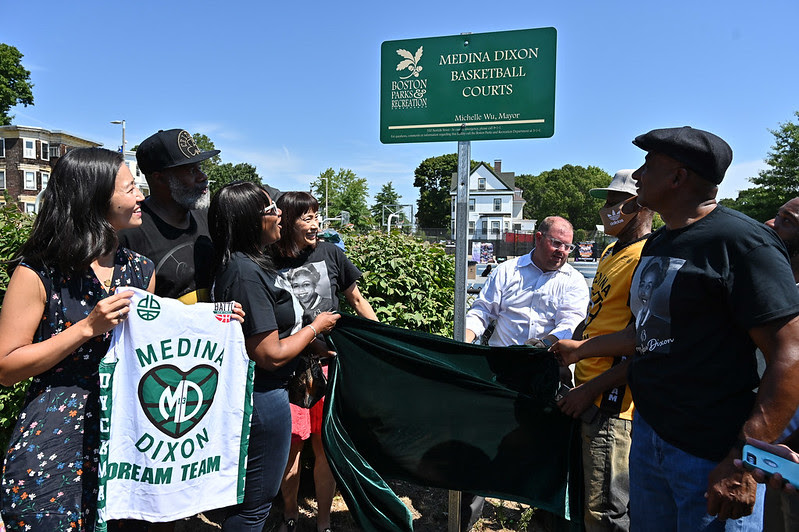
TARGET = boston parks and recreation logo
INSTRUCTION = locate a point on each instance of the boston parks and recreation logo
(408, 92)
(174, 400)
(148, 308)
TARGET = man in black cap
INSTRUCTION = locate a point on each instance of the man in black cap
(727, 287)
(174, 230)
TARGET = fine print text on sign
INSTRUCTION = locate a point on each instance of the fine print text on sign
(478, 86)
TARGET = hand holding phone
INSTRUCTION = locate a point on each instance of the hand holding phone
(755, 458)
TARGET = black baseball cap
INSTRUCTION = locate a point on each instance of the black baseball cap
(705, 153)
(169, 148)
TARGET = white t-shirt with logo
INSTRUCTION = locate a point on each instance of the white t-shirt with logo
(175, 408)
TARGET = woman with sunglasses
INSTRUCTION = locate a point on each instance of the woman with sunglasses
(64, 297)
(318, 272)
(243, 222)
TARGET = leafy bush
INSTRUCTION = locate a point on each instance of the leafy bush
(409, 283)
(15, 227)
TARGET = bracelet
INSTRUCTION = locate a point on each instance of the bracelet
(313, 329)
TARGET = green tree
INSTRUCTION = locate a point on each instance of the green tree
(564, 192)
(221, 174)
(206, 144)
(777, 184)
(758, 203)
(15, 83)
(433, 177)
(348, 192)
(409, 283)
(386, 196)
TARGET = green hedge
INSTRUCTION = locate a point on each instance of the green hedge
(409, 283)
(15, 227)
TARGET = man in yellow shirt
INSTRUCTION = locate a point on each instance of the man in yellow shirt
(601, 397)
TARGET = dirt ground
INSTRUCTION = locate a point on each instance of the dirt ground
(429, 507)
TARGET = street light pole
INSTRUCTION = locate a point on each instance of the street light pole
(123, 134)
(327, 214)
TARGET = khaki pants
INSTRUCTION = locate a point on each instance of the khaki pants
(606, 449)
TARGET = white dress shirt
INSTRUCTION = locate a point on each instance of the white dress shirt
(527, 302)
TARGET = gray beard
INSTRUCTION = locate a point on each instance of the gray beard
(190, 198)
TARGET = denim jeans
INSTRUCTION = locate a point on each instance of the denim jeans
(667, 488)
(781, 512)
(270, 438)
(606, 450)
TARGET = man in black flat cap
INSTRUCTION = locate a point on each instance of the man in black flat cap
(727, 287)
(174, 230)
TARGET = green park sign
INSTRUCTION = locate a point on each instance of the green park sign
(474, 86)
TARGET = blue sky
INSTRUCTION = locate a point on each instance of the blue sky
(293, 87)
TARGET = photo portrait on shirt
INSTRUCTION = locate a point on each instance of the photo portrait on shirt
(311, 286)
(649, 302)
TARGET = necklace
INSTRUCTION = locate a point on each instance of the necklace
(107, 282)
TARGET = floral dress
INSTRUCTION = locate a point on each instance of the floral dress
(50, 473)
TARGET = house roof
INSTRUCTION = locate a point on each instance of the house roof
(13, 131)
(506, 178)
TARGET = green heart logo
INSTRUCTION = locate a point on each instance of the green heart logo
(175, 401)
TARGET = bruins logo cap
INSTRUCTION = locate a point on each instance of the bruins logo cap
(169, 148)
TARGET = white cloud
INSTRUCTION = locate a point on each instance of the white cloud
(34, 67)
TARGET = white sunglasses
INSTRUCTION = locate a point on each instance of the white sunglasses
(270, 210)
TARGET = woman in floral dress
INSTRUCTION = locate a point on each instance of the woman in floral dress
(63, 299)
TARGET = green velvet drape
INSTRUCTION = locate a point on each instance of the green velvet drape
(437, 412)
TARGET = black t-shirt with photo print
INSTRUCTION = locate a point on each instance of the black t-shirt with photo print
(268, 305)
(336, 274)
(695, 370)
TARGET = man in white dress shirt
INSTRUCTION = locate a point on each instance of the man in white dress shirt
(536, 299)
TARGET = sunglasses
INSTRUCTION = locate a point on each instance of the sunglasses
(270, 210)
(557, 244)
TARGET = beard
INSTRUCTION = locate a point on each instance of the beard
(189, 197)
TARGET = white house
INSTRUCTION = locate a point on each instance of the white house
(495, 204)
(138, 175)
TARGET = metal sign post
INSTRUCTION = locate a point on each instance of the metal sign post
(461, 241)
(462, 237)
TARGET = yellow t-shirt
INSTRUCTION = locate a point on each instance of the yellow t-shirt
(609, 312)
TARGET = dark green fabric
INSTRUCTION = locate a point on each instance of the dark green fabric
(437, 412)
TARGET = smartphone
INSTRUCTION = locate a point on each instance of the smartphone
(562, 391)
(589, 414)
(769, 463)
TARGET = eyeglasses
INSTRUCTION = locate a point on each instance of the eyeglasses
(557, 244)
(270, 210)
(310, 218)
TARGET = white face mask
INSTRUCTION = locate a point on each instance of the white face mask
(615, 219)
